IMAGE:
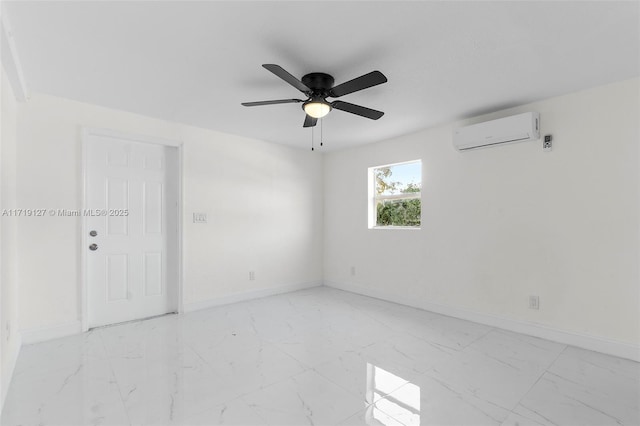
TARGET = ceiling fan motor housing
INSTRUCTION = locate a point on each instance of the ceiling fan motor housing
(319, 83)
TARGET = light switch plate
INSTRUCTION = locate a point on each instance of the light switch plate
(199, 218)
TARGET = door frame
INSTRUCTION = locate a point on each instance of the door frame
(87, 132)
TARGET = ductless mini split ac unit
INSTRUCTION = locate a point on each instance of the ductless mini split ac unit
(517, 128)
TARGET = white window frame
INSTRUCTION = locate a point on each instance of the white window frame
(374, 198)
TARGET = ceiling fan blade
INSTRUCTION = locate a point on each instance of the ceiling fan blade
(364, 81)
(283, 74)
(279, 101)
(357, 109)
(309, 121)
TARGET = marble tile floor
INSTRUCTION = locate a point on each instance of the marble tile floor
(317, 357)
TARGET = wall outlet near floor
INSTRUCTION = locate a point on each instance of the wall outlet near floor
(534, 302)
(252, 276)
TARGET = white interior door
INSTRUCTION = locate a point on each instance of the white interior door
(131, 229)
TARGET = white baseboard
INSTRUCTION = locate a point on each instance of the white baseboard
(248, 295)
(594, 343)
(40, 334)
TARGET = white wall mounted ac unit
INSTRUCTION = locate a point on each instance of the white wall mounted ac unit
(516, 128)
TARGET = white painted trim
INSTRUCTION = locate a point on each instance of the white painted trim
(91, 131)
(248, 295)
(11, 60)
(41, 334)
(179, 218)
(594, 343)
(84, 303)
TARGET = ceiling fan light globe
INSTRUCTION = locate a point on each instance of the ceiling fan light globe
(317, 109)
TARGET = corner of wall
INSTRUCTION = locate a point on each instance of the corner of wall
(9, 368)
(10, 338)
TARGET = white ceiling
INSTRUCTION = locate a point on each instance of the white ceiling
(194, 62)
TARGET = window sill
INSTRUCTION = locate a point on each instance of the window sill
(404, 228)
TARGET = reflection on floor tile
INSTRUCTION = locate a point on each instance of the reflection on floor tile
(322, 357)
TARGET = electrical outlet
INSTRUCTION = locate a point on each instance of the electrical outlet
(534, 302)
(353, 271)
(252, 276)
(199, 218)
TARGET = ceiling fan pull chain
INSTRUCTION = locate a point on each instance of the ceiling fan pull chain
(312, 131)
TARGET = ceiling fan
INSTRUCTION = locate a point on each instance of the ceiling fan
(318, 86)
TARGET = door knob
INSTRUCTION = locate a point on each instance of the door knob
(93, 247)
(93, 233)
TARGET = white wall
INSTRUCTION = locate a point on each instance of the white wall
(500, 224)
(9, 336)
(264, 206)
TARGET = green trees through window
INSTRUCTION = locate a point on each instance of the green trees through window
(397, 194)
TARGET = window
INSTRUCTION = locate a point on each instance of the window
(394, 191)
